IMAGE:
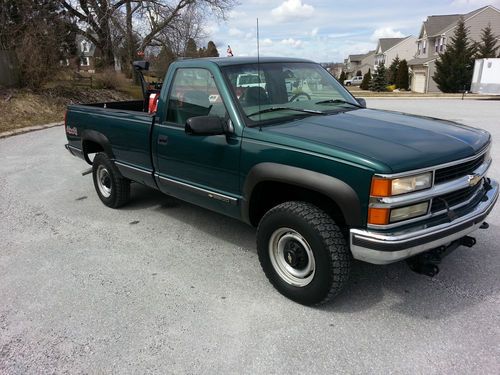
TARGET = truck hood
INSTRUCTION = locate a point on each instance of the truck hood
(400, 141)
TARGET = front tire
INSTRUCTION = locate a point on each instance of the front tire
(303, 252)
(111, 187)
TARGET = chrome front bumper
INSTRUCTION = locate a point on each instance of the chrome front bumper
(382, 247)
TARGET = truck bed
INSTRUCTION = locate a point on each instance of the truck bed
(127, 105)
(123, 127)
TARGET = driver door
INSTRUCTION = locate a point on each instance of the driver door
(200, 169)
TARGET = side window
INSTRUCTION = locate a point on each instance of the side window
(194, 94)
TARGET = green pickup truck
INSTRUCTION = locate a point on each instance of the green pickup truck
(323, 178)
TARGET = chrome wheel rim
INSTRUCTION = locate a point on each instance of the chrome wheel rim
(104, 181)
(292, 257)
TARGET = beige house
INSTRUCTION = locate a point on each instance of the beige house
(390, 48)
(361, 62)
(436, 33)
(352, 65)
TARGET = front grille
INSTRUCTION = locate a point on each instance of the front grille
(453, 198)
(459, 170)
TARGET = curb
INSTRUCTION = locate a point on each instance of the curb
(29, 129)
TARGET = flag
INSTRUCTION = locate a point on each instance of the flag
(229, 51)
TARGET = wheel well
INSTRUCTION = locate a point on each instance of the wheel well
(269, 194)
(90, 147)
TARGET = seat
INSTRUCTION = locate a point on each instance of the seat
(255, 96)
(193, 104)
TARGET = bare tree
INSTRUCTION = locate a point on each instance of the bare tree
(96, 19)
(39, 34)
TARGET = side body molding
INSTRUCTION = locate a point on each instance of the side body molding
(100, 139)
(338, 191)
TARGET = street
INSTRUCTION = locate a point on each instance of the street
(162, 286)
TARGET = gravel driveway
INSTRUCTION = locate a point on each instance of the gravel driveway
(162, 286)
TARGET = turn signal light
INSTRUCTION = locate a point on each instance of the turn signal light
(381, 187)
(378, 216)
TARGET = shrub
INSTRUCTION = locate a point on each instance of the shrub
(108, 79)
(390, 88)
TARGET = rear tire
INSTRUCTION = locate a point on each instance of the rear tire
(112, 188)
(303, 252)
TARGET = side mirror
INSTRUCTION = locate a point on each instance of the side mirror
(205, 125)
(141, 65)
(362, 102)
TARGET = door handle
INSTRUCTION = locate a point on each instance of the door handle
(162, 140)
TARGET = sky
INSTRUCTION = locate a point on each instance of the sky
(325, 30)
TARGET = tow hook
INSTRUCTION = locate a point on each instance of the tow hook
(427, 263)
(468, 241)
(484, 225)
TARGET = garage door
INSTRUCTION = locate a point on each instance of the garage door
(419, 82)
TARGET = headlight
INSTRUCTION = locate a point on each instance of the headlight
(408, 212)
(383, 187)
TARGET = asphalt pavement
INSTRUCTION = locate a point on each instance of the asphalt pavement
(162, 286)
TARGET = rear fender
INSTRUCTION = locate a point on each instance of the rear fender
(98, 138)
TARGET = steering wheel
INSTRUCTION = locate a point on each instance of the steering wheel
(299, 94)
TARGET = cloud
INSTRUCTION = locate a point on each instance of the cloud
(233, 31)
(266, 42)
(234, 14)
(292, 42)
(476, 3)
(292, 9)
(386, 32)
(314, 31)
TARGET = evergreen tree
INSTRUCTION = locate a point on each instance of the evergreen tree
(393, 72)
(342, 78)
(403, 80)
(379, 80)
(365, 84)
(454, 67)
(211, 50)
(164, 59)
(191, 48)
(487, 48)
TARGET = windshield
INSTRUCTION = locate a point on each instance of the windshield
(273, 91)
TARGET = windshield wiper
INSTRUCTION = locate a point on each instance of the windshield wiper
(275, 109)
(339, 101)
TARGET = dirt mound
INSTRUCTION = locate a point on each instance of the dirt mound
(21, 108)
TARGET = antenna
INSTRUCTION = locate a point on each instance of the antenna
(258, 70)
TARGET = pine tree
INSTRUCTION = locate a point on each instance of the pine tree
(454, 67)
(403, 81)
(342, 78)
(393, 72)
(191, 48)
(379, 80)
(487, 48)
(211, 50)
(367, 78)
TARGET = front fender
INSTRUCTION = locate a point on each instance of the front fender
(337, 190)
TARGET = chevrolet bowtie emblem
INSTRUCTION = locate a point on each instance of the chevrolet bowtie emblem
(473, 179)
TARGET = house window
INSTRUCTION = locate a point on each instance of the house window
(424, 48)
(84, 61)
(419, 48)
(441, 44)
(436, 45)
(85, 46)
